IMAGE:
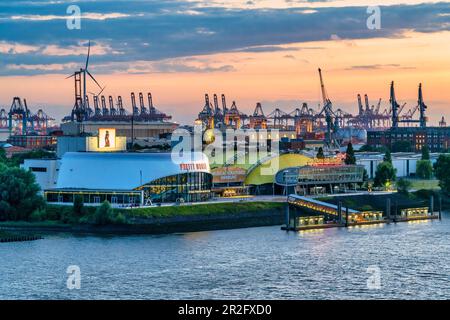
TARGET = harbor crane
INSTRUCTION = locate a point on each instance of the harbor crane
(327, 110)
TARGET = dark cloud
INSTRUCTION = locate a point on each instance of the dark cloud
(154, 30)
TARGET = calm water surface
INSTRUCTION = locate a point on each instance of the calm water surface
(257, 263)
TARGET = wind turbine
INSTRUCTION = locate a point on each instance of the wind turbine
(80, 107)
(86, 70)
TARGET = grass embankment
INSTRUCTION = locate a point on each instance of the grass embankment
(214, 209)
(56, 217)
(419, 184)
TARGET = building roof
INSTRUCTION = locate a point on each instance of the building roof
(121, 171)
(264, 172)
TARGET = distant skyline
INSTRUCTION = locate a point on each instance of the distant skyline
(264, 51)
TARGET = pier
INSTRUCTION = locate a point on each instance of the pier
(303, 213)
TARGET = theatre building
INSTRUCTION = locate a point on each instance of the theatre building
(130, 178)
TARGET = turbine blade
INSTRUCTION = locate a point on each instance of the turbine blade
(88, 55)
(72, 75)
(92, 77)
(102, 90)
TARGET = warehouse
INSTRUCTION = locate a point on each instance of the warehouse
(131, 178)
(403, 162)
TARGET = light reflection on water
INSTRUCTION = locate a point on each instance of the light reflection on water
(256, 263)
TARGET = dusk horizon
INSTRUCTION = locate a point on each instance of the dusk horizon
(274, 61)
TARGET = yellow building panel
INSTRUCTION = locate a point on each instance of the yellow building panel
(266, 171)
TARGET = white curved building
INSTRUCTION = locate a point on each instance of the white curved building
(124, 178)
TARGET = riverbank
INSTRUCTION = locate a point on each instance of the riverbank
(6, 236)
(202, 217)
(161, 220)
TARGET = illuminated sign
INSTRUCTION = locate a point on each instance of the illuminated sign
(193, 166)
(326, 162)
(229, 174)
(106, 138)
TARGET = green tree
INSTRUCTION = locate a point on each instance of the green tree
(387, 157)
(103, 214)
(18, 194)
(3, 167)
(403, 186)
(425, 153)
(442, 172)
(78, 205)
(3, 158)
(368, 148)
(384, 175)
(17, 159)
(320, 154)
(365, 178)
(350, 155)
(424, 169)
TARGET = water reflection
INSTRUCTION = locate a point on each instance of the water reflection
(255, 263)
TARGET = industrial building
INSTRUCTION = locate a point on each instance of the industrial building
(412, 133)
(437, 139)
(33, 141)
(403, 162)
(123, 178)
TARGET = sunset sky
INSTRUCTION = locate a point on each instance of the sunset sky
(264, 51)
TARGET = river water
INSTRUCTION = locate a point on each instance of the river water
(413, 260)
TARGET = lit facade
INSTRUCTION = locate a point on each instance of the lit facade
(137, 130)
(32, 142)
(326, 176)
(436, 138)
(131, 178)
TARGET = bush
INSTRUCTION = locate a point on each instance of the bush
(425, 153)
(78, 205)
(106, 215)
(442, 172)
(424, 169)
(119, 218)
(385, 174)
(403, 186)
(38, 215)
(103, 214)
